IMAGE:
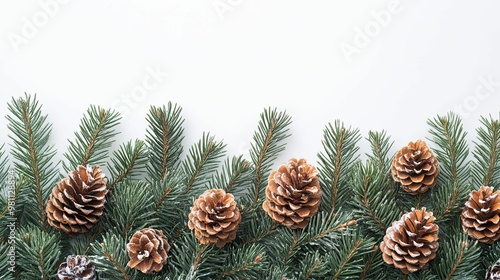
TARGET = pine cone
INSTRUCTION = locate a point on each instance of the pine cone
(293, 194)
(215, 218)
(493, 272)
(147, 250)
(415, 168)
(481, 215)
(76, 268)
(411, 243)
(78, 201)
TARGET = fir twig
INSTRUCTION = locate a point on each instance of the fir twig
(31, 150)
(486, 167)
(128, 162)
(164, 137)
(336, 163)
(95, 137)
(271, 132)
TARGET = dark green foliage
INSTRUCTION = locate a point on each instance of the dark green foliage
(152, 183)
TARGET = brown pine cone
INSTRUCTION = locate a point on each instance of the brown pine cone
(215, 218)
(293, 193)
(493, 272)
(415, 168)
(78, 200)
(481, 215)
(147, 250)
(411, 243)
(76, 268)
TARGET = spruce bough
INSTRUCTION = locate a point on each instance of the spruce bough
(152, 184)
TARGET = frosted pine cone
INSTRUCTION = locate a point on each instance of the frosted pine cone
(411, 243)
(78, 200)
(493, 272)
(415, 168)
(147, 250)
(215, 218)
(293, 194)
(481, 215)
(76, 268)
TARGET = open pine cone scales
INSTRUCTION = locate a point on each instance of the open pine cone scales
(78, 200)
(215, 218)
(411, 243)
(415, 168)
(293, 194)
(76, 268)
(147, 250)
(481, 215)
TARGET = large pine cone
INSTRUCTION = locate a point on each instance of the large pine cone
(147, 250)
(411, 243)
(78, 200)
(415, 168)
(293, 193)
(76, 268)
(493, 272)
(481, 215)
(215, 218)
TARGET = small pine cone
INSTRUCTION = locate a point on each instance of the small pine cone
(78, 200)
(481, 215)
(415, 168)
(293, 194)
(76, 268)
(411, 243)
(147, 250)
(215, 218)
(493, 272)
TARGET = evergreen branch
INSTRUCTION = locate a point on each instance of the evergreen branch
(312, 265)
(108, 260)
(458, 258)
(374, 202)
(128, 162)
(272, 131)
(486, 168)
(33, 155)
(6, 268)
(95, 137)
(373, 264)
(39, 251)
(243, 262)
(235, 176)
(202, 160)
(380, 146)
(188, 255)
(348, 258)
(336, 163)
(164, 138)
(3, 164)
(451, 200)
(452, 149)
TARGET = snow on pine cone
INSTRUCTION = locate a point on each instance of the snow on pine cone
(493, 272)
(481, 215)
(415, 168)
(78, 200)
(147, 250)
(76, 268)
(411, 243)
(293, 193)
(215, 218)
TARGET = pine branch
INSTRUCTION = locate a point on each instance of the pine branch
(336, 164)
(313, 266)
(452, 149)
(94, 139)
(32, 153)
(486, 168)
(189, 258)
(235, 176)
(243, 262)
(164, 138)
(202, 160)
(268, 143)
(458, 258)
(128, 162)
(323, 229)
(380, 145)
(110, 262)
(129, 209)
(3, 165)
(38, 253)
(7, 266)
(374, 201)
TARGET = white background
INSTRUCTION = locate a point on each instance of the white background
(375, 65)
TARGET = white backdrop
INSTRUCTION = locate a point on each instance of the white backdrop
(375, 65)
